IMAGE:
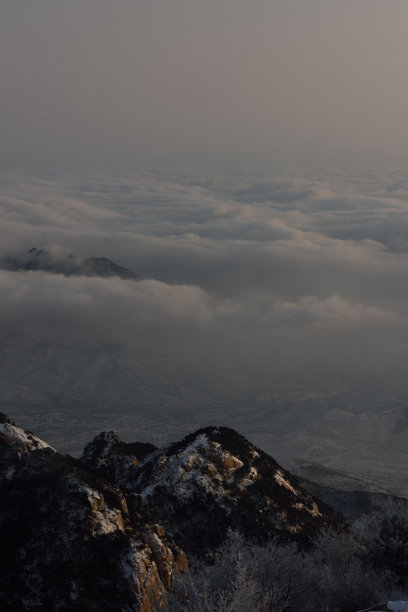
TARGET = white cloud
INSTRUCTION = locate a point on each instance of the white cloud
(228, 262)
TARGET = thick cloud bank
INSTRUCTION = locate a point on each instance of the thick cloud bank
(237, 268)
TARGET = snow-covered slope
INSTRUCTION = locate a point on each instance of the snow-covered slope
(107, 532)
(68, 538)
(212, 480)
(354, 424)
(21, 440)
(72, 392)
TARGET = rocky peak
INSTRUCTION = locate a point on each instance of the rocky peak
(15, 444)
(68, 540)
(107, 532)
(215, 479)
(17, 438)
(113, 458)
(59, 261)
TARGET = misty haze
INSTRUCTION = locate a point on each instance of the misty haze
(273, 303)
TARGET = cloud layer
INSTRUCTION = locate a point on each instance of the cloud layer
(233, 265)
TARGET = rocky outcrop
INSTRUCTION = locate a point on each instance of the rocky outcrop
(114, 459)
(110, 531)
(212, 480)
(68, 540)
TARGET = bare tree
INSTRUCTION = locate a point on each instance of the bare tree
(333, 576)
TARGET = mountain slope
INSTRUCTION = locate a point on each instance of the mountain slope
(212, 480)
(72, 392)
(104, 532)
(67, 538)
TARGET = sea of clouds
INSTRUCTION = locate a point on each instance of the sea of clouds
(275, 303)
(237, 268)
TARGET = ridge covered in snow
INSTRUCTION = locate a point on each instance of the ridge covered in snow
(212, 480)
(111, 530)
(69, 541)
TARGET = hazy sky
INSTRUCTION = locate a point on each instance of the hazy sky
(219, 82)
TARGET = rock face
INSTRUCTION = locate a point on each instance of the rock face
(68, 540)
(212, 480)
(107, 532)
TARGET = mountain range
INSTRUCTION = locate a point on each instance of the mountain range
(110, 530)
(70, 392)
(342, 429)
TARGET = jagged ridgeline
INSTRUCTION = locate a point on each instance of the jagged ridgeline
(61, 262)
(110, 531)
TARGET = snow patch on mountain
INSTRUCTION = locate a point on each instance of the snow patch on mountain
(202, 466)
(283, 482)
(12, 435)
(104, 519)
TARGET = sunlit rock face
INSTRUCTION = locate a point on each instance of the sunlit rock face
(108, 531)
(212, 480)
(68, 539)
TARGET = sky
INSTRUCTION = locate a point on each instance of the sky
(219, 84)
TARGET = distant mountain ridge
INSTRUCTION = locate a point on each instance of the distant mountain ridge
(56, 262)
(72, 392)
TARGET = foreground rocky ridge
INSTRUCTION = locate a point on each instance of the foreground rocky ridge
(68, 540)
(109, 531)
(212, 480)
